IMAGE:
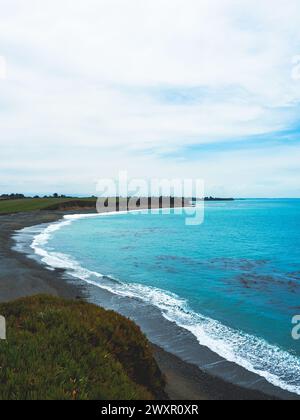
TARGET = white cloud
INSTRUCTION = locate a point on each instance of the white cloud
(84, 76)
(3, 68)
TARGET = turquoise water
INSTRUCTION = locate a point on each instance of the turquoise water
(234, 281)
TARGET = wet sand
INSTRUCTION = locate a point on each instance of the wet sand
(21, 276)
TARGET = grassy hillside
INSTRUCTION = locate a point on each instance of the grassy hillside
(65, 204)
(58, 349)
(33, 204)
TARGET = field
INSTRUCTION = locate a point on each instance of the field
(34, 204)
(72, 350)
(65, 204)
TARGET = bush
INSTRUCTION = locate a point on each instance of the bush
(67, 350)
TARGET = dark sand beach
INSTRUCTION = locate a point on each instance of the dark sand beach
(21, 276)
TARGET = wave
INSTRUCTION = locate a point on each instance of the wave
(277, 366)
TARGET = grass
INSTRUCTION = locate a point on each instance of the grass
(72, 350)
(65, 204)
(35, 204)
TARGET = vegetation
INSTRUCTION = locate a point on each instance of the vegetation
(62, 203)
(11, 196)
(34, 204)
(72, 350)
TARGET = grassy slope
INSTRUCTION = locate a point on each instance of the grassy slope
(58, 349)
(32, 204)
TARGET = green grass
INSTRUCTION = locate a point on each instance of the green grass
(64, 204)
(72, 350)
(34, 204)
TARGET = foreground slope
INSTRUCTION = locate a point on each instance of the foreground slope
(35, 204)
(61, 349)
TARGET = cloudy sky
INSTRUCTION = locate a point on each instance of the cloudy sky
(162, 88)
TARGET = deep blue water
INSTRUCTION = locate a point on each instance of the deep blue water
(234, 281)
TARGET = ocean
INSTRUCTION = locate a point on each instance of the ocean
(230, 286)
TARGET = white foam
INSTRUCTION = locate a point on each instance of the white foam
(277, 366)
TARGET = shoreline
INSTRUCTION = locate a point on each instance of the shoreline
(23, 276)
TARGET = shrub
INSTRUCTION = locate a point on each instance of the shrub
(73, 350)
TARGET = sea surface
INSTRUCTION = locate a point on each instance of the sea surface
(233, 282)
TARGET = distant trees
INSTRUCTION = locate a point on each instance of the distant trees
(22, 196)
(55, 195)
(59, 196)
(12, 196)
(121, 201)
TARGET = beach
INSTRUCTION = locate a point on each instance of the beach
(22, 276)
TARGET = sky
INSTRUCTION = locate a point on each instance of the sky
(206, 89)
